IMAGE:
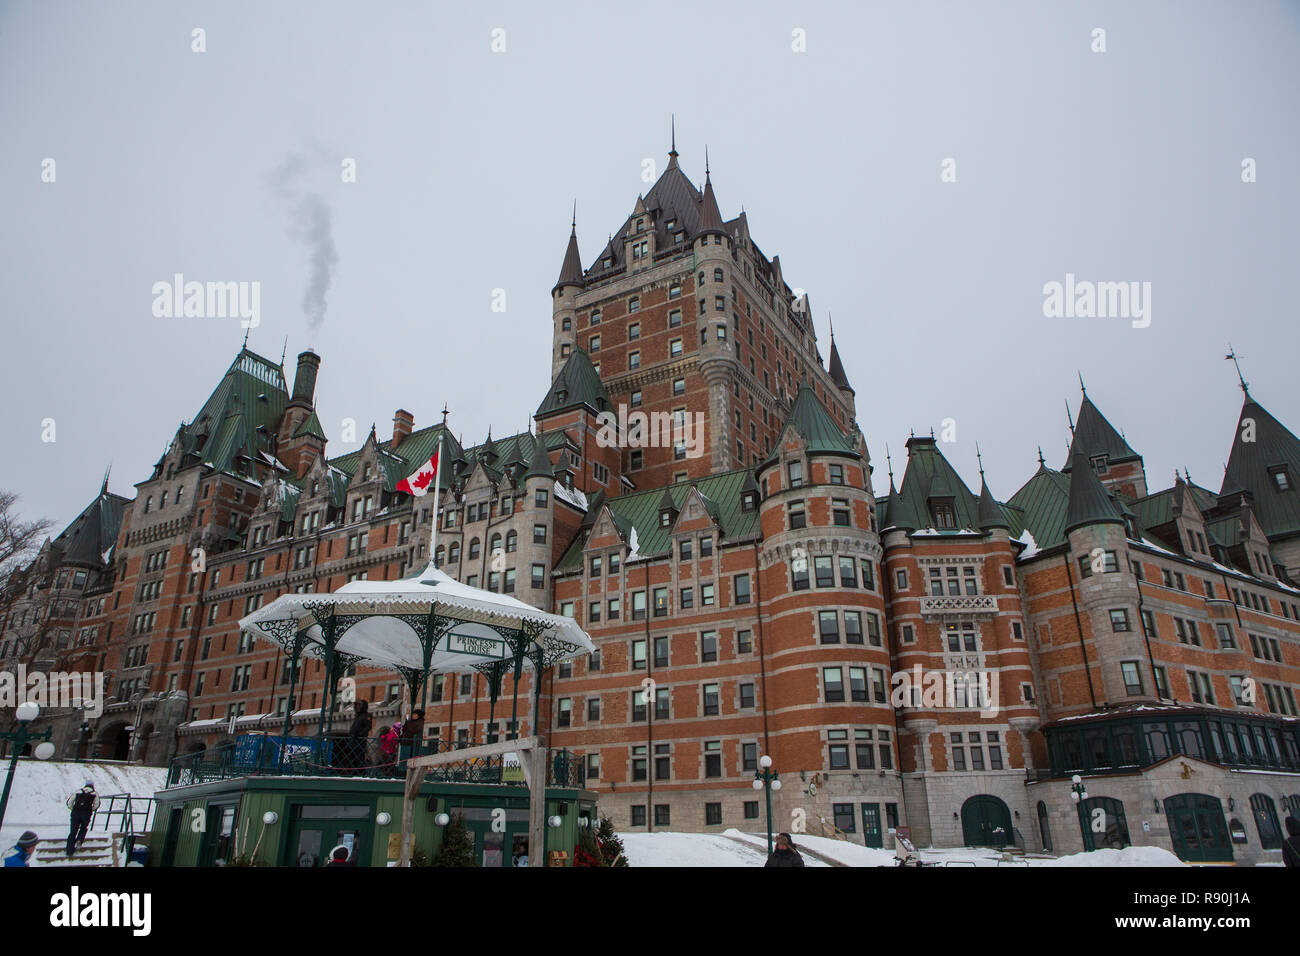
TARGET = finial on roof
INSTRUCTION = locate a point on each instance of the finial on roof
(931, 432)
(1069, 417)
(832, 322)
(1083, 388)
(706, 163)
(246, 331)
(284, 351)
(890, 462)
(1233, 356)
(979, 458)
(444, 414)
(573, 226)
(1042, 462)
(672, 152)
(103, 488)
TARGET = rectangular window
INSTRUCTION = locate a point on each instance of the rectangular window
(741, 588)
(1132, 678)
(833, 684)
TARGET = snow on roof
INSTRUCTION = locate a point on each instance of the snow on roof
(1031, 546)
(632, 554)
(386, 638)
(571, 495)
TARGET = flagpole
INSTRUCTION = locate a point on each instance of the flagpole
(437, 490)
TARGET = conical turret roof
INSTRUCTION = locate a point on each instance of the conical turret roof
(1089, 502)
(571, 269)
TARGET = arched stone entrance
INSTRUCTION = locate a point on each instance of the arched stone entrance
(113, 742)
(986, 821)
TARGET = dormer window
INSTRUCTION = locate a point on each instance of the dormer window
(1100, 463)
(748, 501)
(365, 472)
(945, 516)
(1281, 478)
(665, 518)
(670, 224)
(640, 225)
(795, 471)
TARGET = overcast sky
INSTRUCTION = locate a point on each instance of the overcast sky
(1117, 166)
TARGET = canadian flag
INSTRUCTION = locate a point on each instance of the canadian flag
(417, 483)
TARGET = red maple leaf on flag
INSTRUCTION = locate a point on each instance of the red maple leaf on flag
(422, 481)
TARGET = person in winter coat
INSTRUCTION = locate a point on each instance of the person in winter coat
(339, 856)
(83, 805)
(357, 735)
(21, 852)
(388, 749)
(1291, 845)
(412, 734)
(785, 854)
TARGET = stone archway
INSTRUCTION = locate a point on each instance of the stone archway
(986, 821)
(113, 742)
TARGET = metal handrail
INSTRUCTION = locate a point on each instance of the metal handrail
(342, 756)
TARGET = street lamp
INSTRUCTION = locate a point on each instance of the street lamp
(1079, 793)
(26, 713)
(765, 778)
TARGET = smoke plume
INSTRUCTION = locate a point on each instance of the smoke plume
(309, 221)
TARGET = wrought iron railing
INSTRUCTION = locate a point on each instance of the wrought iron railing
(341, 756)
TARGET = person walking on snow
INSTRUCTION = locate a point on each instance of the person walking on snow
(21, 852)
(83, 805)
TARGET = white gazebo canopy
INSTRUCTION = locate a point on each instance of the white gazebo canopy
(383, 622)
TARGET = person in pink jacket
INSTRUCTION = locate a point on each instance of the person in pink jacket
(388, 749)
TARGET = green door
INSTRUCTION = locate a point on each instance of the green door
(500, 835)
(319, 828)
(871, 835)
(1197, 829)
(173, 836)
(985, 821)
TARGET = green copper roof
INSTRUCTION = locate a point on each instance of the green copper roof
(990, 513)
(311, 426)
(814, 424)
(930, 476)
(640, 512)
(1252, 465)
(576, 384)
(414, 450)
(1093, 435)
(240, 417)
(92, 533)
(1089, 502)
(1043, 500)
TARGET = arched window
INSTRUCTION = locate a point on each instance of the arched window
(1044, 827)
(512, 542)
(1270, 834)
(473, 549)
(496, 543)
(453, 553)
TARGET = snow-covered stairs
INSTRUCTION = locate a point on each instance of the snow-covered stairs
(99, 849)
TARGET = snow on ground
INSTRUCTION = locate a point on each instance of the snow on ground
(694, 849)
(42, 787)
(1129, 856)
(703, 849)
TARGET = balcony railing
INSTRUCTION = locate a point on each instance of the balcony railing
(959, 604)
(252, 755)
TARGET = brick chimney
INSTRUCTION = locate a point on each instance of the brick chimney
(403, 423)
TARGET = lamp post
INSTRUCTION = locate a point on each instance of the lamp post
(767, 779)
(1079, 793)
(26, 713)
